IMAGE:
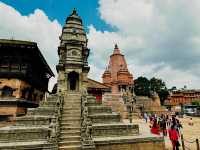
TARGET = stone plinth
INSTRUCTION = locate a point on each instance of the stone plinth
(116, 103)
(13, 133)
(130, 143)
(114, 129)
(151, 105)
(36, 130)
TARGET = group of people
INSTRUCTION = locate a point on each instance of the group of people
(166, 125)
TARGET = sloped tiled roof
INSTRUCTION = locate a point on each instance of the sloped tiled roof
(95, 84)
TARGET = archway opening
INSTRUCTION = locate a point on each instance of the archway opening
(73, 81)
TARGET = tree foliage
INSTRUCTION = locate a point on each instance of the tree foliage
(143, 87)
(196, 102)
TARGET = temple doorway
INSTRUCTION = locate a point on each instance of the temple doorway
(73, 81)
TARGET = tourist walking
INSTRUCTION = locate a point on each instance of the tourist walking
(174, 136)
(155, 128)
(145, 117)
(191, 122)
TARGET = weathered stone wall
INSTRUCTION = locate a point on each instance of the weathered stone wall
(116, 103)
(151, 105)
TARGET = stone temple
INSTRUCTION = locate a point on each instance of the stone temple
(71, 119)
(117, 75)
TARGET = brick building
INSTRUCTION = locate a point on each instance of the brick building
(117, 75)
(179, 97)
(24, 76)
(97, 89)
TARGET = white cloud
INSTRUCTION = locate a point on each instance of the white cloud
(35, 27)
(158, 38)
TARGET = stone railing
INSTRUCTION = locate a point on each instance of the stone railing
(54, 126)
(86, 125)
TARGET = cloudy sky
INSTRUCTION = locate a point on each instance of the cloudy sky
(159, 38)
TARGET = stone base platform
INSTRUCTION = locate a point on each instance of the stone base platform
(114, 129)
(19, 133)
(139, 142)
(40, 145)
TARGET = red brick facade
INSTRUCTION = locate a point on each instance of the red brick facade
(116, 74)
(182, 97)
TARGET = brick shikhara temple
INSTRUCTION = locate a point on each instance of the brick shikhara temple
(117, 75)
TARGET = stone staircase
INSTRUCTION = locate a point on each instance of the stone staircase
(109, 131)
(70, 127)
(32, 131)
(106, 123)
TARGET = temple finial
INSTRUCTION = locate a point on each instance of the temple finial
(74, 12)
(116, 46)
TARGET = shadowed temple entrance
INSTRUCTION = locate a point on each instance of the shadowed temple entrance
(73, 81)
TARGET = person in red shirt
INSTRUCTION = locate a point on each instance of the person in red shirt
(155, 128)
(174, 136)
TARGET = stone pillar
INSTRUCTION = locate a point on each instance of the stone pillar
(61, 82)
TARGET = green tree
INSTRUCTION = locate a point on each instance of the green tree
(160, 87)
(141, 86)
(196, 102)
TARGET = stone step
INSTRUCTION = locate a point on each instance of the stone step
(70, 138)
(66, 101)
(71, 115)
(19, 133)
(70, 133)
(99, 109)
(41, 111)
(30, 120)
(76, 147)
(105, 117)
(72, 102)
(69, 143)
(50, 103)
(52, 98)
(115, 129)
(65, 113)
(90, 97)
(32, 145)
(66, 122)
(70, 119)
(93, 103)
(71, 108)
(71, 127)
